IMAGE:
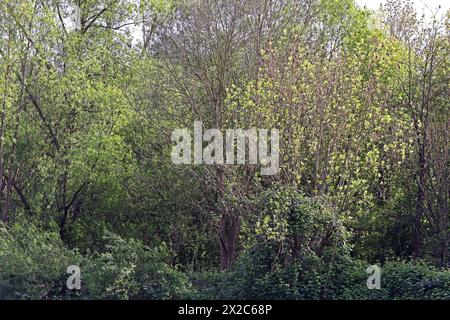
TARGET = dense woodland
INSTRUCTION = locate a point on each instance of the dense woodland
(91, 90)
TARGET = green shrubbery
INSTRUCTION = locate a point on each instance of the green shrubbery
(88, 121)
(255, 277)
(130, 270)
(295, 248)
(298, 250)
(33, 265)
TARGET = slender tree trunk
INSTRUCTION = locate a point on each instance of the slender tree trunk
(230, 226)
(420, 198)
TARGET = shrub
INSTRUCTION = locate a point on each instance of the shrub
(127, 269)
(33, 263)
(402, 280)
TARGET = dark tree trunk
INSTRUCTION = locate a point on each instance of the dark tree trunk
(230, 226)
(420, 198)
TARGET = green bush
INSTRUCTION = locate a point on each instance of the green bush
(297, 248)
(256, 276)
(260, 274)
(402, 280)
(126, 269)
(293, 249)
(33, 265)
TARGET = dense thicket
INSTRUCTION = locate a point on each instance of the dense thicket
(91, 90)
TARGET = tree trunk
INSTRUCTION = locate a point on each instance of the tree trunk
(230, 226)
(420, 198)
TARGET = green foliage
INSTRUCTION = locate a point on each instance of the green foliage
(87, 109)
(126, 269)
(257, 275)
(301, 223)
(33, 263)
(401, 280)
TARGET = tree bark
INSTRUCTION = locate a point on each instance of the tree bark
(230, 226)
